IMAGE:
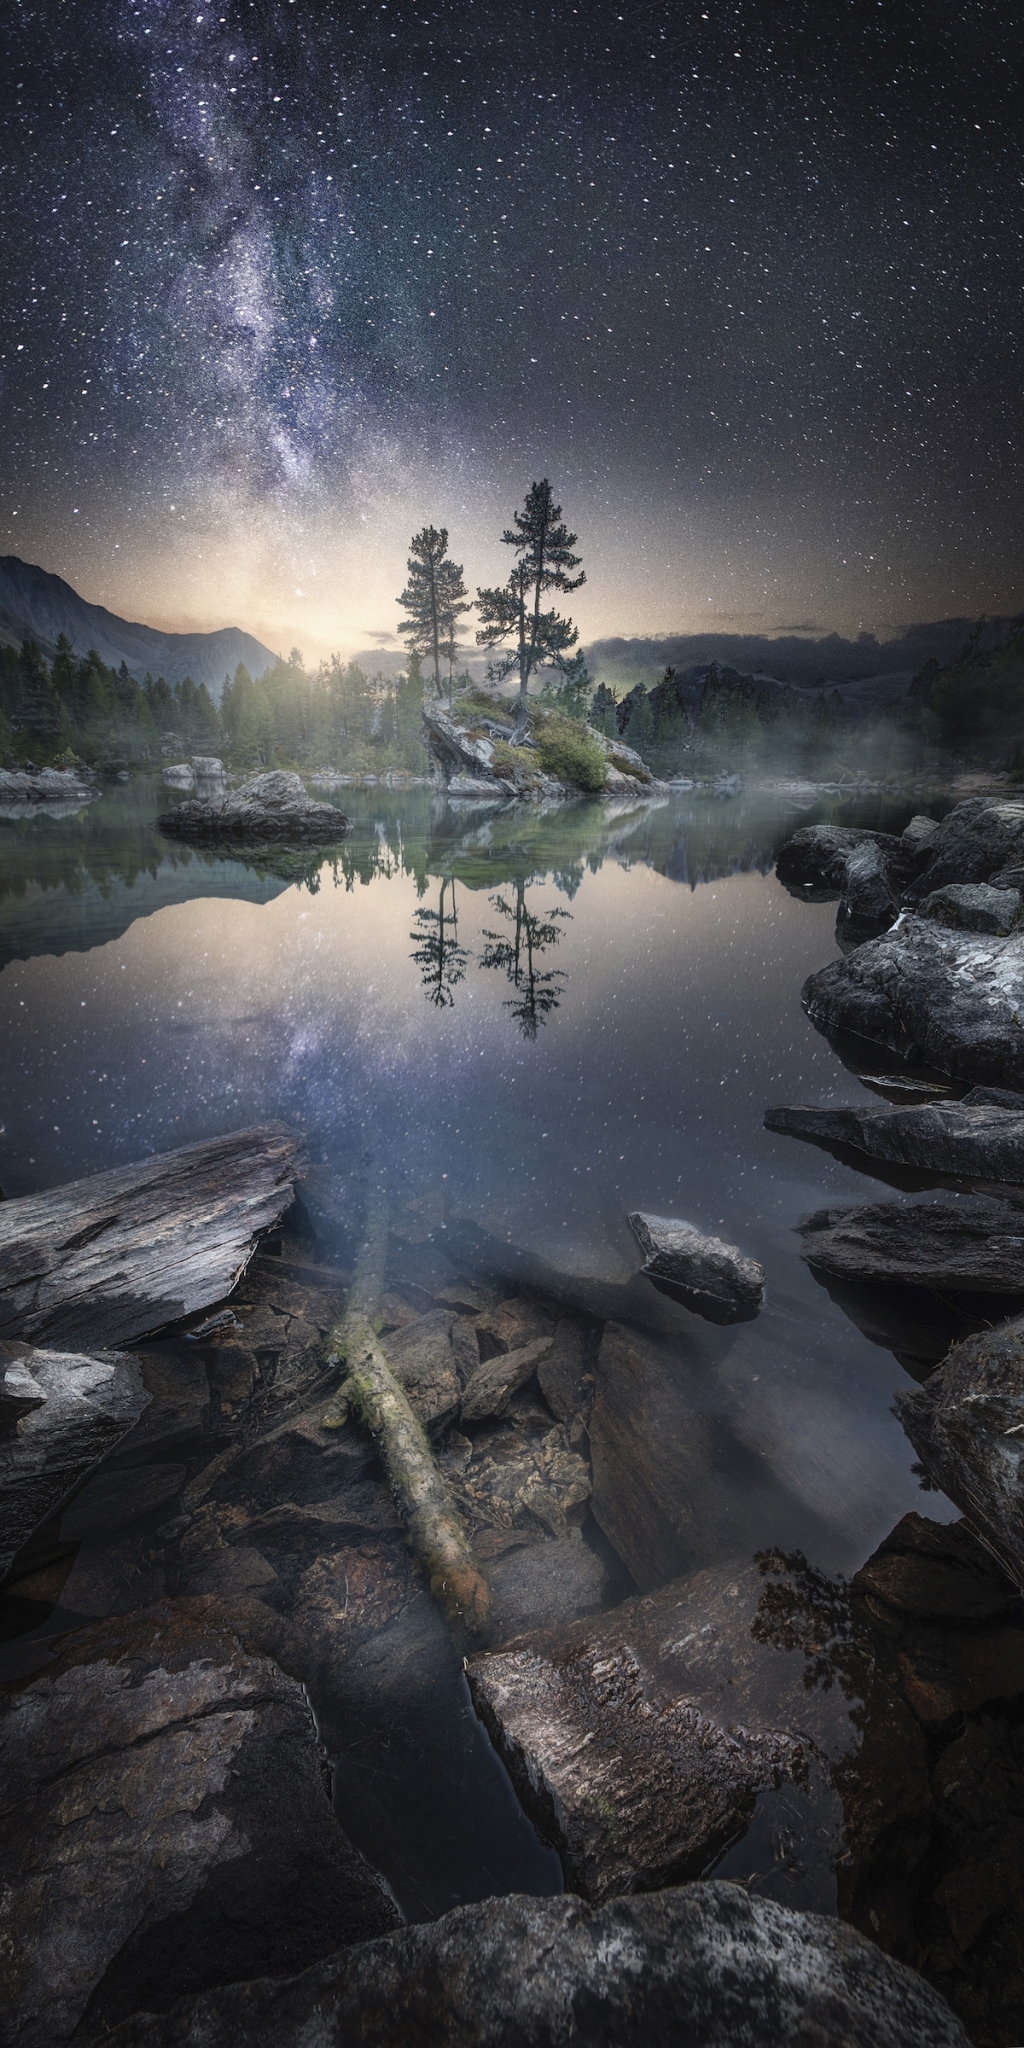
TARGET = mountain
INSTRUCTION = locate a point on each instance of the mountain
(868, 672)
(37, 606)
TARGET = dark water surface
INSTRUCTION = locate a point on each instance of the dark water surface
(530, 1025)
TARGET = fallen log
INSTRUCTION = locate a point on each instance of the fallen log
(104, 1261)
(371, 1392)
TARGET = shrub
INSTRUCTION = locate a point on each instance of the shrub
(567, 750)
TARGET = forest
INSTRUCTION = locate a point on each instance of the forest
(77, 710)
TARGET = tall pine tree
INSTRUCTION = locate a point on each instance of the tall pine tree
(435, 598)
(512, 611)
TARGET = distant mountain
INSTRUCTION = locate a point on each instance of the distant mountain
(37, 606)
(868, 672)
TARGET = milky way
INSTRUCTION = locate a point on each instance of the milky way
(281, 279)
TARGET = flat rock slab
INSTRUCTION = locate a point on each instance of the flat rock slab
(166, 1825)
(967, 1426)
(713, 1278)
(705, 1966)
(110, 1259)
(969, 1140)
(953, 999)
(64, 1410)
(274, 806)
(639, 1741)
(975, 1245)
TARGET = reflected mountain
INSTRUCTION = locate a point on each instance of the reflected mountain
(69, 883)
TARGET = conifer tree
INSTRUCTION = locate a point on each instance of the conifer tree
(512, 611)
(39, 711)
(435, 598)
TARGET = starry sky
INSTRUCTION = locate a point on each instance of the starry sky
(286, 279)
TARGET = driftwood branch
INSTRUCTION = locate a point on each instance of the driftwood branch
(372, 1393)
(103, 1261)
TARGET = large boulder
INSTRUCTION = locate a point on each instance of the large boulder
(707, 1966)
(971, 844)
(817, 857)
(972, 1139)
(273, 806)
(953, 999)
(59, 1412)
(166, 1826)
(967, 1425)
(870, 899)
(975, 1245)
(974, 907)
(714, 1278)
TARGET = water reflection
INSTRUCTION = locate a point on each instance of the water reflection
(438, 955)
(516, 952)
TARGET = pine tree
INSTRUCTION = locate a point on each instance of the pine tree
(39, 711)
(512, 611)
(434, 597)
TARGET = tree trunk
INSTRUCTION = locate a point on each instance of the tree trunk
(372, 1393)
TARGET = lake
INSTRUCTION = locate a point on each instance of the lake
(528, 1025)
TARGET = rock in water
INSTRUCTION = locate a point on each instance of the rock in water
(954, 999)
(817, 856)
(919, 833)
(870, 899)
(711, 1277)
(967, 1426)
(638, 1742)
(705, 1966)
(975, 1245)
(971, 844)
(106, 1260)
(974, 907)
(971, 1139)
(274, 806)
(59, 1412)
(166, 1826)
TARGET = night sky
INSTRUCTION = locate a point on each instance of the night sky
(283, 281)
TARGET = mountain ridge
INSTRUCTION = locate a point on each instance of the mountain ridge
(37, 605)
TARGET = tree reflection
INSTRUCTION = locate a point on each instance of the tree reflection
(438, 955)
(515, 952)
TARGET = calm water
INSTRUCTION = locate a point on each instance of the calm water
(535, 1025)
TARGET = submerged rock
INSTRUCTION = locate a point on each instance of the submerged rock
(974, 907)
(713, 1278)
(953, 999)
(705, 1965)
(166, 1826)
(975, 1245)
(59, 1412)
(973, 1139)
(273, 806)
(967, 1426)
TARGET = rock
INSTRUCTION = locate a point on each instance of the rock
(109, 1259)
(532, 1973)
(638, 1742)
(518, 1478)
(431, 1358)
(166, 1825)
(674, 1487)
(974, 907)
(918, 834)
(178, 775)
(204, 773)
(870, 898)
(454, 754)
(274, 806)
(546, 1583)
(491, 1385)
(62, 1410)
(54, 792)
(975, 1245)
(1008, 878)
(969, 1139)
(967, 1426)
(711, 1277)
(817, 856)
(563, 1375)
(971, 844)
(953, 999)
